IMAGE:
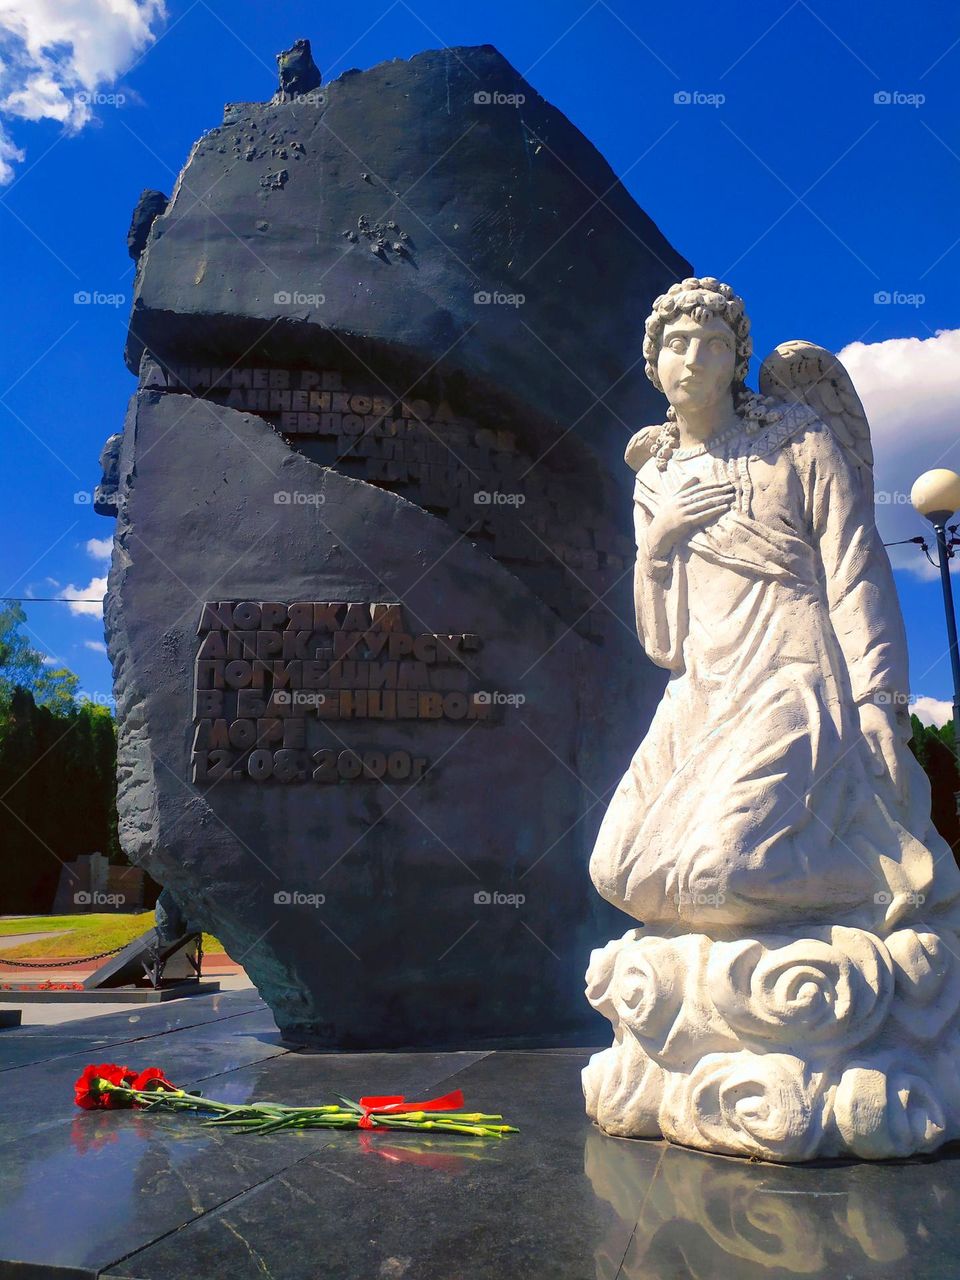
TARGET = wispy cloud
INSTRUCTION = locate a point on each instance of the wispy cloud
(9, 156)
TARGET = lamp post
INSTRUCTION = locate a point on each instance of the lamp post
(936, 495)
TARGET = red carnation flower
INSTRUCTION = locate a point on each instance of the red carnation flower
(88, 1094)
(153, 1079)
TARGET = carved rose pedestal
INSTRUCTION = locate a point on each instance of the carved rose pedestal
(787, 1046)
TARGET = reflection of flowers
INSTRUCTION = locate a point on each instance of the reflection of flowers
(833, 987)
(927, 982)
(424, 1155)
(86, 1138)
(745, 1104)
(883, 1111)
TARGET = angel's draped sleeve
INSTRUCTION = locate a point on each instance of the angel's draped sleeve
(659, 589)
(857, 578)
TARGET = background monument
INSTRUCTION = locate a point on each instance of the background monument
(369, 609)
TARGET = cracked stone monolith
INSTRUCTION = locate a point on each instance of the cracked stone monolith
(369, 608)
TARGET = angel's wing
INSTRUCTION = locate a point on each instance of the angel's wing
(641, 447)
(800, 371)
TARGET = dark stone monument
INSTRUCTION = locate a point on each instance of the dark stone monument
(370, 604)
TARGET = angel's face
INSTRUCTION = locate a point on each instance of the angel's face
(696, 362)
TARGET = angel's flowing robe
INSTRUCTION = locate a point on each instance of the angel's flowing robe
(754, 798)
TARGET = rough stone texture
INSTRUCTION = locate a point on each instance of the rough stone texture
(399, 953)
(299, 74)
(149, 207)
(369, 966)
(517, 200)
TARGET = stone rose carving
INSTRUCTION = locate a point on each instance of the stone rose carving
(928, 981)
(831, 989)
(745, 1104)
(885, 1109)
(624, 1090)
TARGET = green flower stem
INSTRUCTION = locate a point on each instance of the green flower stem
(269, 1117)
(470, 1117)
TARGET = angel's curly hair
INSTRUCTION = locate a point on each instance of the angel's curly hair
(703, 298)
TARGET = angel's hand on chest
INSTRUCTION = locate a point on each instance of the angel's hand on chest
(692, 506)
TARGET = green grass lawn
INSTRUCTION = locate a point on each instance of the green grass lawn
(84, 935)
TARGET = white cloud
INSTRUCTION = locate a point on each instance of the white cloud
(96, 645)
(9, 156)
(58, 54)
(911, 392)
(99, 548)
(932, 711)
(94, 591)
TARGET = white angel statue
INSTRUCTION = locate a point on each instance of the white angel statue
(774, 803)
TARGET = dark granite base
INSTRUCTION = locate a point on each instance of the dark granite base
(160, 1198)
(111, 995)
(10, 1018)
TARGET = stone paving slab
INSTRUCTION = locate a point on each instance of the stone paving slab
(130, 1196)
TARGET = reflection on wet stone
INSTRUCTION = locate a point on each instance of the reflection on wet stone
(713, 1216)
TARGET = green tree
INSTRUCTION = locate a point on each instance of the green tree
(934, 748)
(58, 763)
(58, 789)
(23, 667)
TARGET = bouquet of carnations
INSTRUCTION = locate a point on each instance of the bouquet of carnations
(110, 1087)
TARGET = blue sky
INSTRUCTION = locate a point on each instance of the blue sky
(800, 188)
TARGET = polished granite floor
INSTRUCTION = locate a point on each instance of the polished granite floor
(159, 1198)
